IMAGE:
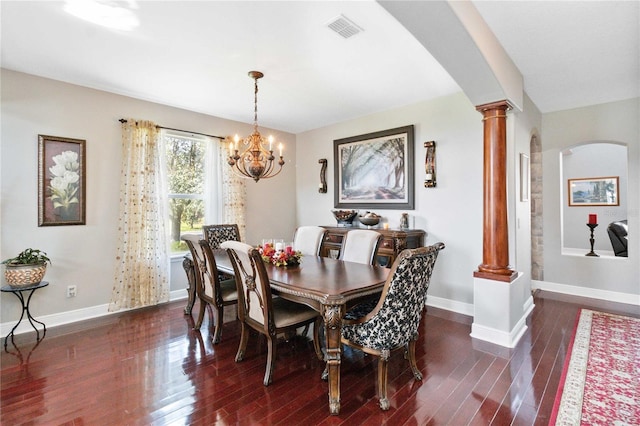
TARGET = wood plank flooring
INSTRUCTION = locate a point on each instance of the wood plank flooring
(149, 367)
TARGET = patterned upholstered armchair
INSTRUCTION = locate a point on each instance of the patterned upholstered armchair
(393, 323)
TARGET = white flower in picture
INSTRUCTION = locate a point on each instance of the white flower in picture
(65, 180)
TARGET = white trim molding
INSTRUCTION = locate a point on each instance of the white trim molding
(593, 293)
(69, 317)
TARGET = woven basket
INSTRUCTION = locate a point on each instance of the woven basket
(24, 275)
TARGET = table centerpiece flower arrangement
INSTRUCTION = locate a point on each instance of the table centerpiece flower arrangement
(286, 257)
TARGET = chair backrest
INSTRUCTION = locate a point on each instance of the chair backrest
(218, 234)
(210, 276)
(395, 319)
(308, 239)
(361, 246)
(199, 262)
(618, 235)
(252, 281)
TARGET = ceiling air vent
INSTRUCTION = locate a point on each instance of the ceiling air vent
(344, 26)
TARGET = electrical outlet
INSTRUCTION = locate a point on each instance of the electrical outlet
(71, 291)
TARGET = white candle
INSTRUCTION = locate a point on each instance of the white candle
(429, 176)
(280, 150)
(279, 246)
(236, 138)
(320, 186)
(230, 149)
(270, 143)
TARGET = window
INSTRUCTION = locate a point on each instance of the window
(187, 177)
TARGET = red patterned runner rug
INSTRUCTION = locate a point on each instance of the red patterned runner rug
(600, 384)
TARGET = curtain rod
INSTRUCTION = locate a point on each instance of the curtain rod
(124, 120)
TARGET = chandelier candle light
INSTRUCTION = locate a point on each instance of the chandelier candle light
(255, 162)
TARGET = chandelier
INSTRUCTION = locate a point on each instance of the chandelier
(256, 162)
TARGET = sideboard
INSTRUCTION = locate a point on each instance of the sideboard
(393, 242)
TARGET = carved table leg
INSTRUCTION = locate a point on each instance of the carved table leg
(333, 325)
(187, 264)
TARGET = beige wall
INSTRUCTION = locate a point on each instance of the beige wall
(451, 212)
(85, 255)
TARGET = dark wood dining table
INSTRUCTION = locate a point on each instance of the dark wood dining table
(327, 285)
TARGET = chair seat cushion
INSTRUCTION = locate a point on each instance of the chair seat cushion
(228, 290)
(286, 313)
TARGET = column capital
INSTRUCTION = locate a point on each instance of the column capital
(500, 105)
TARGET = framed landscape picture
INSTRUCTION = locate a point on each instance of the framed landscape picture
(375, 170)
(61, 181)
(598, 191)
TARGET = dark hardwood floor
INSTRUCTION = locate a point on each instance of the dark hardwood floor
(149, 367)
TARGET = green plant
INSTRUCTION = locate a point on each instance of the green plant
(29, 257)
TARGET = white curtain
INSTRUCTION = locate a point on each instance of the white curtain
(230, 190)
(142, 272)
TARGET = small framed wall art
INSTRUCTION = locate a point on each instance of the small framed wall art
(597, 191)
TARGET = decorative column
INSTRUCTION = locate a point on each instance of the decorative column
(495, 245)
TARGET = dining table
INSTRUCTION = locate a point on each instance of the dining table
(328, 286)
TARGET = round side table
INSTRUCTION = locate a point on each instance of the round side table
(25, 308)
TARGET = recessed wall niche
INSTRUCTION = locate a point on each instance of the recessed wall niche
(592, 160)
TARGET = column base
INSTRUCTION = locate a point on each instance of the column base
(500, 310)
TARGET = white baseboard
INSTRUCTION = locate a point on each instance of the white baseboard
(593, 293)
(450, 305)
(69, 317)
(492, 335)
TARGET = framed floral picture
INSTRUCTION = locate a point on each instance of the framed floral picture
(375, 170)
(61, 181)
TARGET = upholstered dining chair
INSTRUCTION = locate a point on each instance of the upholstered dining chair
(308, 239)
(217, 234)
(361, 246)
(393, 323)
(213, 293)
(258, 310)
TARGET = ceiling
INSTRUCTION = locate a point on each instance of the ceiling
(196, 55)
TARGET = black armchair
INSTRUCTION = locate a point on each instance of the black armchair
(618, 235)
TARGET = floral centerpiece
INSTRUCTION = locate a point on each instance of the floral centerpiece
(286, 257)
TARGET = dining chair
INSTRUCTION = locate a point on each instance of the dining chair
(361, 246)
(258, 310)
(308, 239)
(214, 294)
(217, 234)
(393, 323)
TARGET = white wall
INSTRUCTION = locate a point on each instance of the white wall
(451, 212)
(616, 121)
(85, 255)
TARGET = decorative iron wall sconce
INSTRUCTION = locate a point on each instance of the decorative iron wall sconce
(430, 164)
(322, 188)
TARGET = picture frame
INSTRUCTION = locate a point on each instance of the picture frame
(61, 181)
(595, 191)
(525, 177)
(375, 170)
